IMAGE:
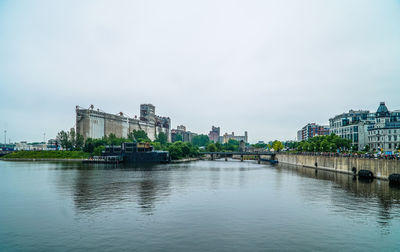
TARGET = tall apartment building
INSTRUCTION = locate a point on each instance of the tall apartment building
(311, 130)
(300, 135)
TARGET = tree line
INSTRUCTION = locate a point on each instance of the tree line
(71, 141)
(329, 143)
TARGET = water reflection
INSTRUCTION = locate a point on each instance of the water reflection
(235, 206)
(99, 187)
(361, 195)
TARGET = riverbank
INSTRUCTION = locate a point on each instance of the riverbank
(44, 159)
(81, 160)
(46, 155)
(380, 168)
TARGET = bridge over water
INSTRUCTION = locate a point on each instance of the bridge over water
(216, 155)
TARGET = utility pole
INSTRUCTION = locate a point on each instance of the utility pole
(5, 136)
(44, 137)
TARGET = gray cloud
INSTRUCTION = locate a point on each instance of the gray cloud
(267, 67)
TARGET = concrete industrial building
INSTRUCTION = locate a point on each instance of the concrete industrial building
(94, 123)
(181, 130)
(225, 138)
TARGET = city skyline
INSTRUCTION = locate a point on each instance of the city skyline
(263, 67)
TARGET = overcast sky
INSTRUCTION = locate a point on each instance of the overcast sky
(268, 67)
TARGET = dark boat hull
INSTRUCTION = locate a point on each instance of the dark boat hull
(146, 157)
(136, 153)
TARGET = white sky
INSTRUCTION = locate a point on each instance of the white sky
(268, 67)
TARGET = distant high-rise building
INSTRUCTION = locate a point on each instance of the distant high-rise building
(311, 130)
(226, 137)
(300, 135)
(181, 130)
(214, 134)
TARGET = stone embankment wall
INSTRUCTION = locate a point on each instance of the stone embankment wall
(379, 167)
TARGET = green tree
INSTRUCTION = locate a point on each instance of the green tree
(89, 145)
(259, 146)
(70, 140)
(324, 146)
(63, 137)
(175, 150)
(332, 147)
(300, 146)
(156, 145)
(194, 151)
(79, 142)
(200, 140)
(231, 145)
(178, 138)
(211, 147)
(139, 135)
(277, 145)
(162, 138)
(97, 151)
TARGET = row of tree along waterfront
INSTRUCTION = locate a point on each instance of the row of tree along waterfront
(71, 141)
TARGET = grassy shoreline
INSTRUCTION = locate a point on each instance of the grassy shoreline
(42, 159)
(46, 155)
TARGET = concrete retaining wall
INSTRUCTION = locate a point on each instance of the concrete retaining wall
(379, 167)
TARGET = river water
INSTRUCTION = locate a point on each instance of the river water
(197, 206)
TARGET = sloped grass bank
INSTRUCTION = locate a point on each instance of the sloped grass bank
(47, 155)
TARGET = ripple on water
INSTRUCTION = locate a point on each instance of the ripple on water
(198, 206)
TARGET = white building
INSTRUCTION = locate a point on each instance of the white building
(384, 135)
(353, 125)
(30, 146)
